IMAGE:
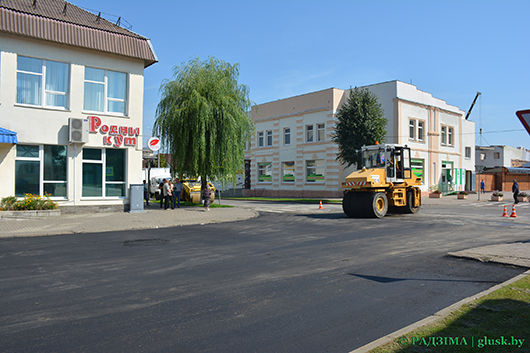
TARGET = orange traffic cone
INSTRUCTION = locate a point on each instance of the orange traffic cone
(505, 214)
(320, 207)
(513, 212)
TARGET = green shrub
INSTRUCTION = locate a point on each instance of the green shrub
(28, 203)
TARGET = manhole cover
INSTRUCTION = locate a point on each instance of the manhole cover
(145, 242)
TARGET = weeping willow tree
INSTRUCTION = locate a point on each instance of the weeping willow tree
(202, 119)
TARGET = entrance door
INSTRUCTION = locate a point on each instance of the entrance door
(447, 177)
(247, 173)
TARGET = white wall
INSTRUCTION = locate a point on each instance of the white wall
(38, 125)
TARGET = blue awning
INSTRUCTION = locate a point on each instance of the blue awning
(7, 136)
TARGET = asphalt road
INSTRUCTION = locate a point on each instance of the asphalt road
(283, 282)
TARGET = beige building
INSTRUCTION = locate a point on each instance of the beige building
(71, 104)
(292, 152)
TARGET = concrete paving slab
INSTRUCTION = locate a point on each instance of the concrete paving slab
(153, 217)
(517, 254)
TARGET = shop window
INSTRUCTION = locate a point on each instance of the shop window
(264, 172)
(288, 172)
(260, 139)
(309, 133)
(104, 173)
(269, 138)
(287, 136)
(321, 132)
(315, 171)
(42, 82)
(105, 91)
(40, 170)
(417, 166)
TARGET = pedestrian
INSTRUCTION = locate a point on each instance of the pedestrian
(482, 187)
(515, 190)
(161, 192)
(206, 196)
(146, 193)
(177, 190)
(169, 194)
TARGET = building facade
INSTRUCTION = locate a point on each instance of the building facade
(292, 152)
(65, 71)
(501, 156)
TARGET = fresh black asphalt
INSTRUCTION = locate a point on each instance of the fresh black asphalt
(277, 283)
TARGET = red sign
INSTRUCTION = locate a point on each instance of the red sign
(117, 135)
(524, 117)
(153, 143)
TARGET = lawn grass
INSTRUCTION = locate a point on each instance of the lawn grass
(486, 324)
(281, 199)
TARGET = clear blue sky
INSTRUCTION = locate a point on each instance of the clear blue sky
(451, 49)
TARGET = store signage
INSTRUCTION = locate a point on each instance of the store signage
(114, 135)
(154, 144)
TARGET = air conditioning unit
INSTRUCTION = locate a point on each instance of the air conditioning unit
(78, 130)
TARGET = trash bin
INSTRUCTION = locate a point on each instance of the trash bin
(136, 198)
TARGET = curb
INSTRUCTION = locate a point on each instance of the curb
(435, 317)
(29, 214)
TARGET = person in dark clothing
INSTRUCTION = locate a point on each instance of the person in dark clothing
(515, 190)
(161, 193)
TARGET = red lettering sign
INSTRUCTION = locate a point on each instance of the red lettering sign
(118, 140)
(134, 131)
(118, 132)
(93, 123)
(107, 141)
(130, 141)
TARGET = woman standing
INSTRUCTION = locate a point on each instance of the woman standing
(206, 196)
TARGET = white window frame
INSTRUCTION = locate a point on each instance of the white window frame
(468, 152)
(309, 133)
(412, 129)
(443, 135)
(450, 136)
(263, 168)
(286, 136)
(269, 138)
(260, 139)
(40, 159)
(293, 169)
(106, 98)
(421, 127)
(322, 167)
(103, 162)
(321, 128)
(43, 91)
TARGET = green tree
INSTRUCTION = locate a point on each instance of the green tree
(361, 122)
(203, 119)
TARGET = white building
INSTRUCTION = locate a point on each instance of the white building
(292, 152)
(58, 63)
(501, 156)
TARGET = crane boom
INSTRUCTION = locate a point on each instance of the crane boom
(472, 105)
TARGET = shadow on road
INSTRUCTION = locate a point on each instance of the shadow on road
(381, 279)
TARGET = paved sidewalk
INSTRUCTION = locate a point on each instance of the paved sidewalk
(153, 217)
